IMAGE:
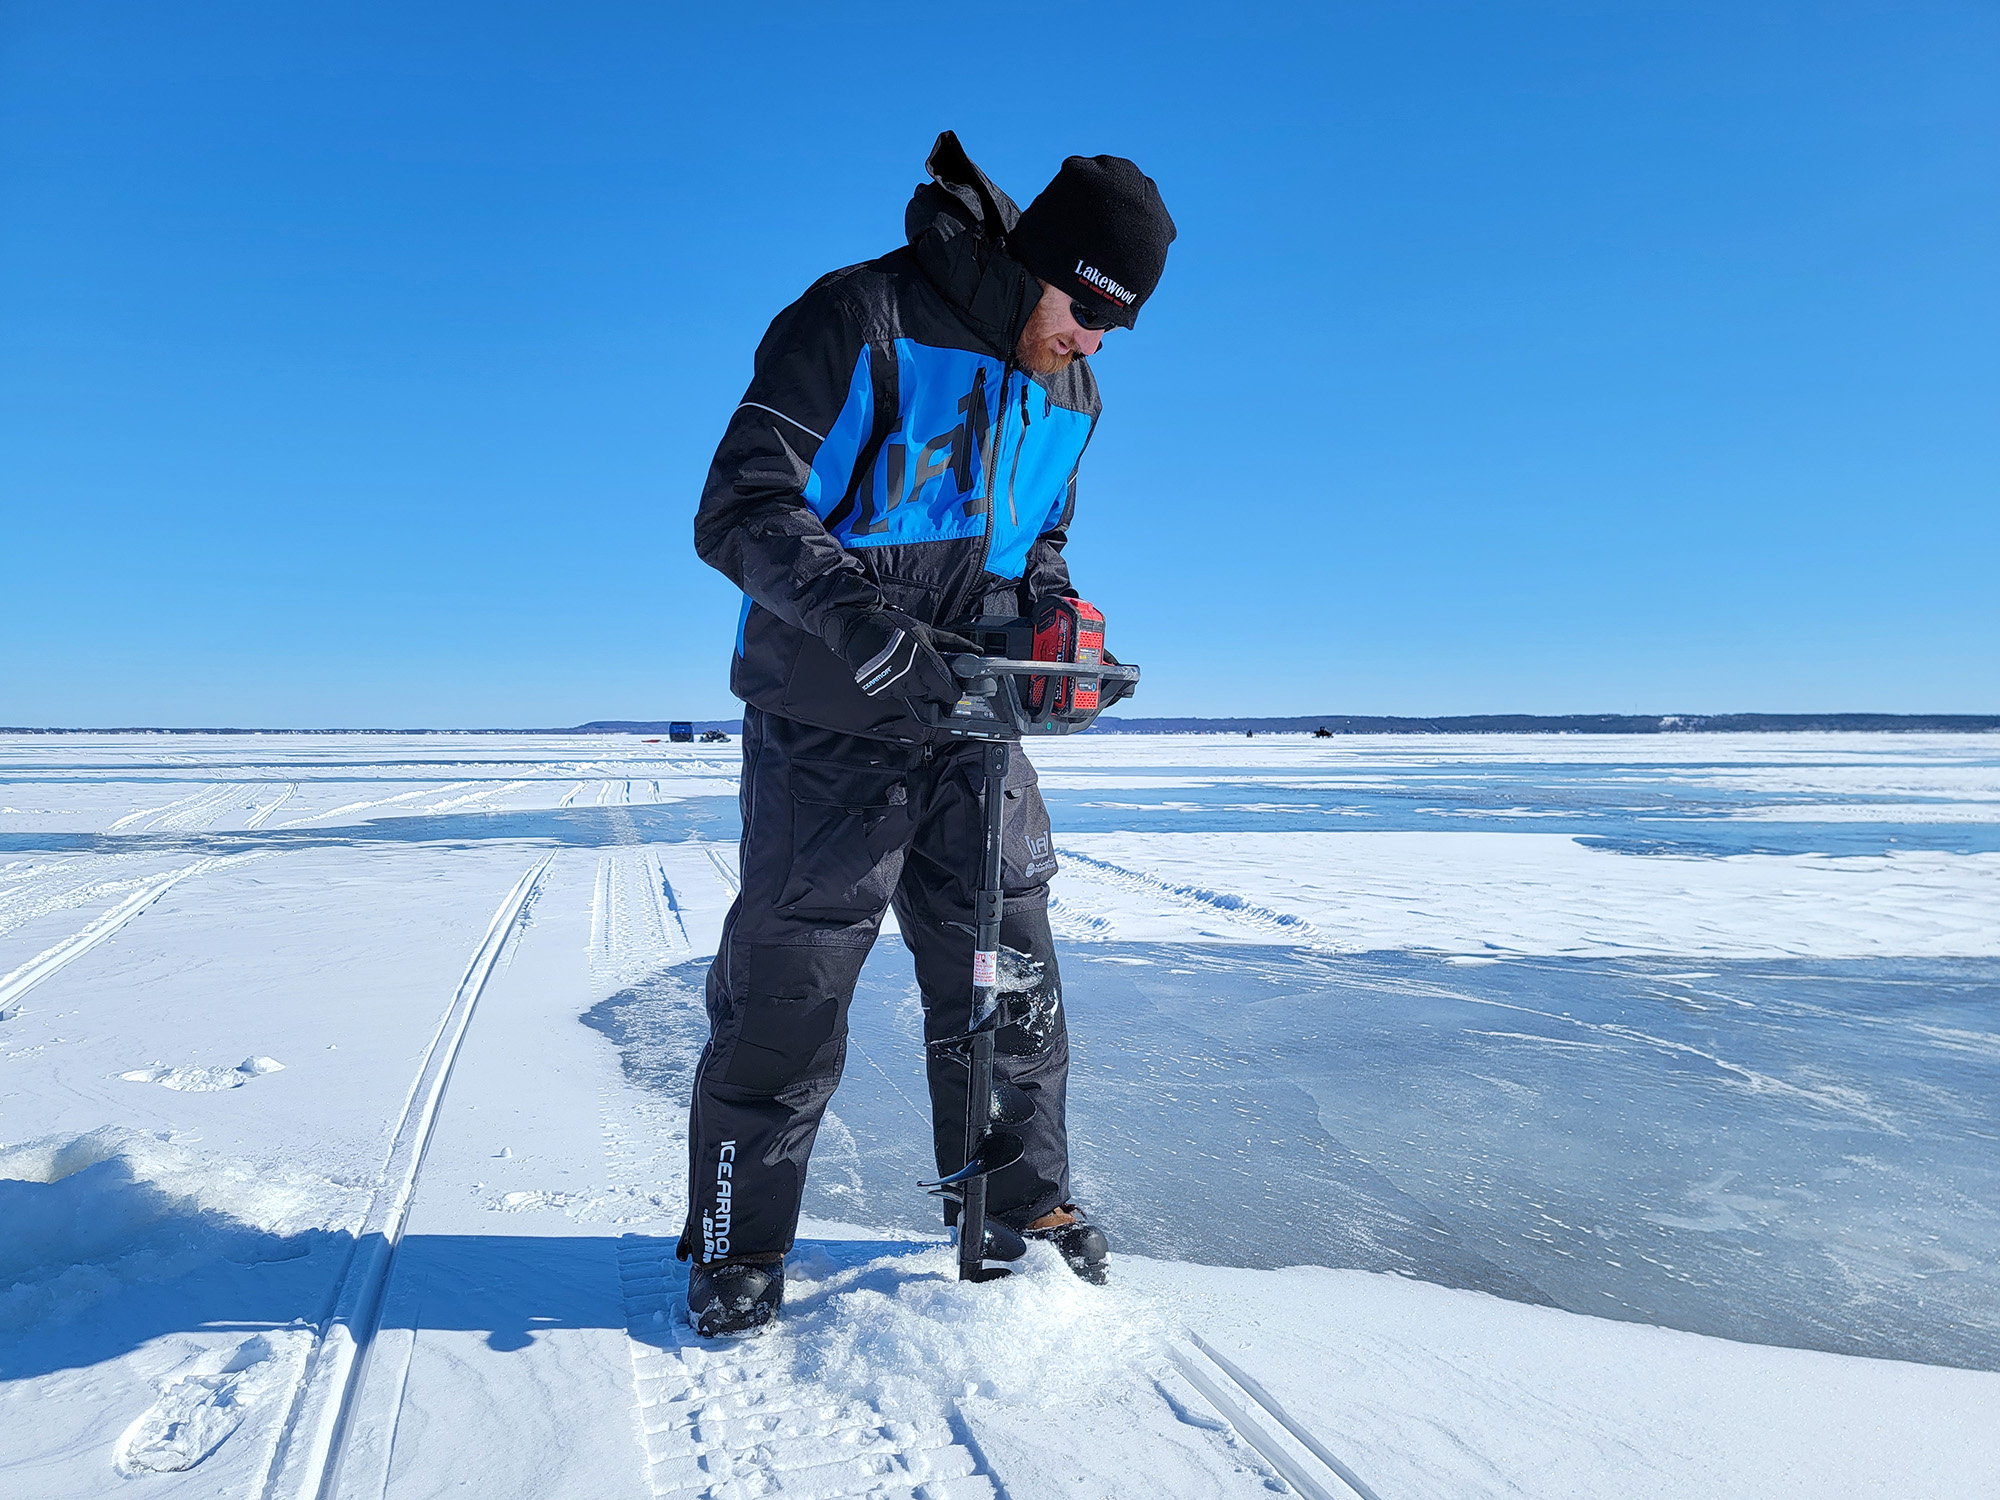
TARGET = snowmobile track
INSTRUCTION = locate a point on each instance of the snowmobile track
(454, 804)
(636, 924)
(354, 807)
(1208, 903)
(305, 1464)
(1235, 1394)
(171, 814)
(263, 814)
(729, 1420)
(193, 814)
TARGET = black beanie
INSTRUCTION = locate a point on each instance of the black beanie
(1100, 232)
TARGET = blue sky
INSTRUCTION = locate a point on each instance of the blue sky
(360, 363)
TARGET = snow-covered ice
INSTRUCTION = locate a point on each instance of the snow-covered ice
(1472, 1116)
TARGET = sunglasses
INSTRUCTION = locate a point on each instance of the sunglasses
(1090, 317)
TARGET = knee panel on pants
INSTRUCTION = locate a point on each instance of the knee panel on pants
(789, 1027)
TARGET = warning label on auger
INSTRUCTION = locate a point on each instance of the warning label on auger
(985, 970)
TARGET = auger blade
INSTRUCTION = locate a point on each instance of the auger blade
(1003, 1243)
(992, 1020)
(1000, 1149)
(1011, 1105)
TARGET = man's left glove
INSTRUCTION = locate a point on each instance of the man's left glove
(893, 653)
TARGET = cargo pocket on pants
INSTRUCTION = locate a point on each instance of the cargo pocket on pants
(1028, 852)
(848, 824)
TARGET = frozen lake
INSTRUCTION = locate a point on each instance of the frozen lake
(1735, 1134)
(1784, 1151)
(1694, 1033)
(1698, 1030)
(1701, 1031)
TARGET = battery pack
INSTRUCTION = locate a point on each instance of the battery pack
(1069, 631)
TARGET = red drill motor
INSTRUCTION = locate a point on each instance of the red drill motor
(1006, 698)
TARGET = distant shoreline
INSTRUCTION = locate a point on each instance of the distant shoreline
(1568, 724)
(1333, 724)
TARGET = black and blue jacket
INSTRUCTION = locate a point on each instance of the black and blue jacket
(889, 451)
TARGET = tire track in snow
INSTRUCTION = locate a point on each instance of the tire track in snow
(1239, 909)
(305, 1464)
(120, 824)
(263, 814)
(200, 812)
(1070, 922)
(610, 930)
(79, 880)
(600, 915)
(453, 803)
(197, 809)
(354, 807)
(729, 1417)
(50, 960)
(729, 877)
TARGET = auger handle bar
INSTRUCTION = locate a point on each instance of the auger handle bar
(995, 705)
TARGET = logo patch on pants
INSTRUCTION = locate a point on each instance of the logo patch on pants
(715, 1221)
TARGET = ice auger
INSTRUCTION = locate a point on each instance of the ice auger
(1039, 676)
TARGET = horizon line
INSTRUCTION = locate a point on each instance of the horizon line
(1502, 723)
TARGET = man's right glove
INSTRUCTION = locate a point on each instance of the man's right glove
(893, 653)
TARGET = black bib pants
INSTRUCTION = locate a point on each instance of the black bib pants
(835, 828)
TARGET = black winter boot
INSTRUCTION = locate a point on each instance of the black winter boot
(1082, 1243)
(734, 1296)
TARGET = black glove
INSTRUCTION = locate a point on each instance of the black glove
(893, 653)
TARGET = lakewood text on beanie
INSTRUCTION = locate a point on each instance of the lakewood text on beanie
(1100, 232)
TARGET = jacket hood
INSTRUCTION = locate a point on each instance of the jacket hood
(957, 225)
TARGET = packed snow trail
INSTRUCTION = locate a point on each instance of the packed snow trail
(724, 1419)
(887, 1377)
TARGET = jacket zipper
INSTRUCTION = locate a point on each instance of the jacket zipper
(1014, 468)
(999, 435)
(999, 441)
(992, 462)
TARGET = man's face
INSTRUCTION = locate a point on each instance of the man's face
(1053, 337)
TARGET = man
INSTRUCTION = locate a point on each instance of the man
(904, 459)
